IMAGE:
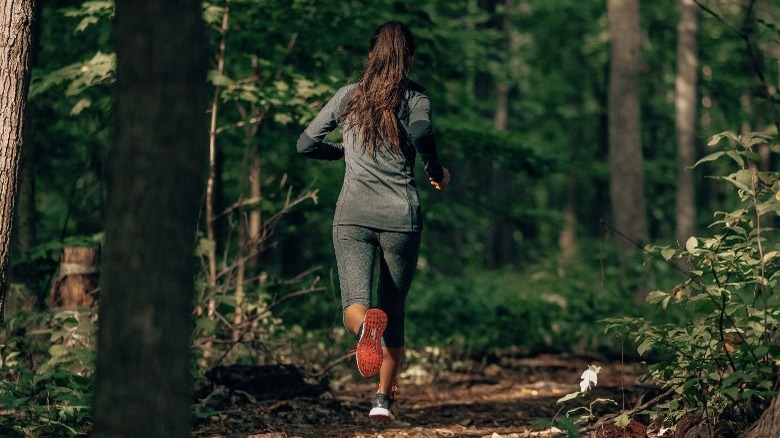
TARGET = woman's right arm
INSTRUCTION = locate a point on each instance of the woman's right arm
(310, 143)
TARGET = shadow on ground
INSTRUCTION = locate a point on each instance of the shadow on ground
(502, 399)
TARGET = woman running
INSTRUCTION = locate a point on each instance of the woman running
(387, 122)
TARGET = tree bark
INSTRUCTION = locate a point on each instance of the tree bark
(768, 425)
(685, 118)
(625, 149)
(26, 216)
(155, 180)
(15, 42)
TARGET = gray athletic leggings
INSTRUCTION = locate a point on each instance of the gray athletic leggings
(356, 249)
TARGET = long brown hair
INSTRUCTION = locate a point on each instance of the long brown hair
(374, 104)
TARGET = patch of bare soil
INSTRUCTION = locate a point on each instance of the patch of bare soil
(502, 399)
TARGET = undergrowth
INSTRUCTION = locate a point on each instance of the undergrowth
(720, 362)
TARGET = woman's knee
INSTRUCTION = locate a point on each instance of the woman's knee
(353, 316)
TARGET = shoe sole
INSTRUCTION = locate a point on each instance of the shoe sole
(381, 414)
(369, 348)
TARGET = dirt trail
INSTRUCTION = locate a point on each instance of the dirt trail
(502, 399)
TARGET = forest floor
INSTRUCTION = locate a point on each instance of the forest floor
(503, 399)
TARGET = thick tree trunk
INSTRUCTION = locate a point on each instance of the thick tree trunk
(15, 41)
(625, 149)
(25, 224)
(685, 118)
(158, 151)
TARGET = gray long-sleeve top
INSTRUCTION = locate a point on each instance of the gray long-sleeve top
(379, 191)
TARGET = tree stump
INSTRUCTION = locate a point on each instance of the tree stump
(78, 278)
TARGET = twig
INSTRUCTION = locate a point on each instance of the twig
(331, 364)
(755, 60)
(310, 289)
(246, 325)
(606, 224)
(609, 417)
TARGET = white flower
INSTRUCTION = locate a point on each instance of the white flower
(591, 375)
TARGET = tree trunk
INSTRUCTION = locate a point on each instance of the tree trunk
(625, 149)
(768, 425)
(211, 183)
(256, 169)
(255, 213)
(567, 239)
(501, 243)
(501, 249)
(685, 118)
(158, 151)
(26, 216)
(15, 42)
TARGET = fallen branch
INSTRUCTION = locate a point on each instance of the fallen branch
(609, 417)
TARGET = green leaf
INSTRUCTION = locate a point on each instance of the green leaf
(283, 119)
(656, 296)
(732, 392)
(80, 106)
(205, 246)
(715, 139)
(58, 350)
(622, 420)
(212, 14)
(205, 324)
(568, 397)
(710, 157)
(228, 300)
(761, 351)
(645, 346)
(219, 80)
(691, 244)
(734, 155)
(668, 253)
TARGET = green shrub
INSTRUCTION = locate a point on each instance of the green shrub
(720, 359)
(47, 365)
(541, 308)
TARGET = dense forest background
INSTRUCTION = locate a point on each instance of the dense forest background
(519, 94)
(526, 249)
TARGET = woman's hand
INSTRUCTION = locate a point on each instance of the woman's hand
(441, 185)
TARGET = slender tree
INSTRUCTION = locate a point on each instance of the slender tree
(15, 40)
(625, 148)
(685, 117)
(156, 163)
(501, 243)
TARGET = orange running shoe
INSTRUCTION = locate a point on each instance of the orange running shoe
(369, 347)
